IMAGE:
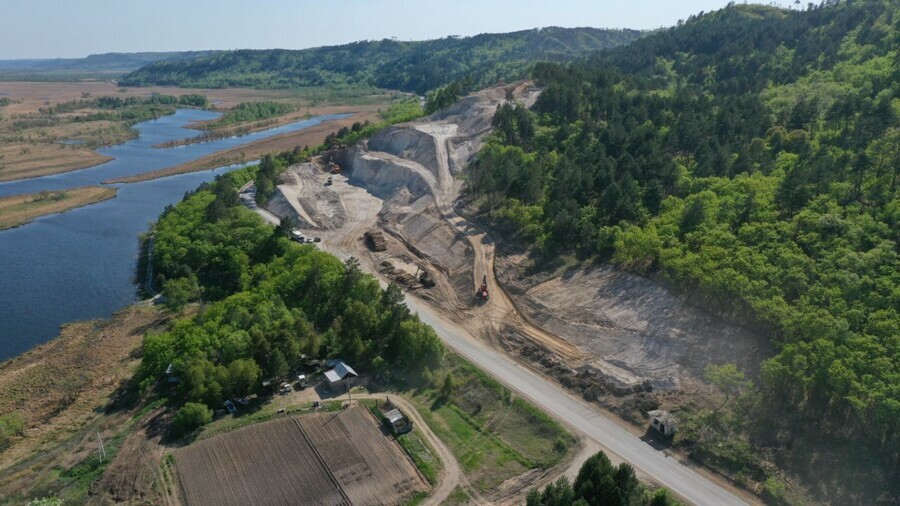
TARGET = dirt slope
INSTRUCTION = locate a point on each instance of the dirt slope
(597, 330)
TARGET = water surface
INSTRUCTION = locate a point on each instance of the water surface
(80, 264)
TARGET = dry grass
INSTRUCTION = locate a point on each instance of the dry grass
(60, 388)
(20, 209)
(308, 137)
(30, 139)
(21, 161)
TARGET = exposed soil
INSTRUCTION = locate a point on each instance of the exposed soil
(327, 458)
(609, 335)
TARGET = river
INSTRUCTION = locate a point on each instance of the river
(81, 264)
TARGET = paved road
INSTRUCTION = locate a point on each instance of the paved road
(686, 483)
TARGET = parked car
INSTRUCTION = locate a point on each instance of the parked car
(286, 388)
(230, 406)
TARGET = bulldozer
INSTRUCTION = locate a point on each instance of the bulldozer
(482, 293)
(424, 278)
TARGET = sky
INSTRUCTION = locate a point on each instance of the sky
(71, 29)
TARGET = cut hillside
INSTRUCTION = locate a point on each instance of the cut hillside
(747, 158)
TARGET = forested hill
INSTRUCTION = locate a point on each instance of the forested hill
(409, 66)
(751, 157)
(122, 62)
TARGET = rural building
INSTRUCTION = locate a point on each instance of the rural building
(663, 421)
(398, 422)
(339, 371)
(171, 377)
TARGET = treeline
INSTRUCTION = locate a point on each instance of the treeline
(445, 96)
(252, 111)
(409, 66)
(129, 109)
(600, 483)
(269, 304)
(751, 157)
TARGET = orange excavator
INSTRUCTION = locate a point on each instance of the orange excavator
(482, 292)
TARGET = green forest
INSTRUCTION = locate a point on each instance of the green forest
(600, 482)
(251, 111)
(267, 303)
(398, 65)
(749, 157)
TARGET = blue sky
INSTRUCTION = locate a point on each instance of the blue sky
(68, 28)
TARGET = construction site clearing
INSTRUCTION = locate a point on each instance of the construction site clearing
(396, 204)
(326, 458)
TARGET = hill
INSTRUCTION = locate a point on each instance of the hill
(107, 62)
(409, 66)
(749, 158)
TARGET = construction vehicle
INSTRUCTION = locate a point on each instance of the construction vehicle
(482, 292)
(424, 278)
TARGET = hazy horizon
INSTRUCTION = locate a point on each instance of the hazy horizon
(61, 29)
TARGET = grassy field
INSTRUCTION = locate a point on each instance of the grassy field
(493, 435)
(20, 209)
(59, 390)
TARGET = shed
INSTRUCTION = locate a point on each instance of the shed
(663, 421)
(398, 422)
(171, 377)
(339, 372)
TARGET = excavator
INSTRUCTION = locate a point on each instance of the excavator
(482, 292)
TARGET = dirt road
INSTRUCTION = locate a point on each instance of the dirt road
(403, 181)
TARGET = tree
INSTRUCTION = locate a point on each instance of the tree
(243, 376)
(728, 379)
(449, 386)
(11, 424)
(278, 366)
(179, 292)
(190, 417)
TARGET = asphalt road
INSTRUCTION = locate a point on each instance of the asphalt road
(678, 478)
(687, 484)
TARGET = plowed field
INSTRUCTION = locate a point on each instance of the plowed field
(326, 458)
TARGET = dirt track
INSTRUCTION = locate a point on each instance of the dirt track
(402, 182)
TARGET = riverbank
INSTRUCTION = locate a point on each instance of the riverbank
(212, 132)
(311, 136)
(59, 390)
(21, 209)
(51, 127)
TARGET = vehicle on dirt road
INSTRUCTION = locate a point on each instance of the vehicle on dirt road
(482, 294)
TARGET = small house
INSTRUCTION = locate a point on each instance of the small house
(339, 372)
(398, 423)
(663, 422)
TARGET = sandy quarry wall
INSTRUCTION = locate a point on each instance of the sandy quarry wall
(406, 142)
(632, 322)
(381, 175)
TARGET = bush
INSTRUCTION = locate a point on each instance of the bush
(190, 417)
(11, 424)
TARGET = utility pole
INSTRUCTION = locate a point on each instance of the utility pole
(101, 449)
(349, 399)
